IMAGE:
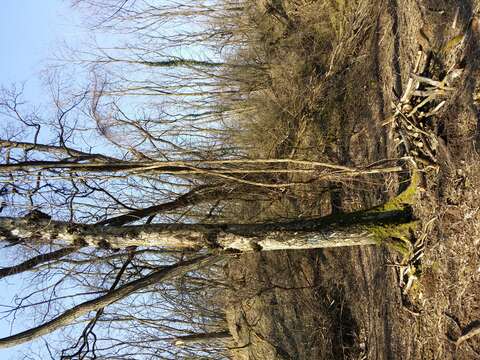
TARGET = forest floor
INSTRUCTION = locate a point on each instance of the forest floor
(348, 303)
(353, 303)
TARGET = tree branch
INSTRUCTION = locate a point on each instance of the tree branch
(53, 149)
(37, 260)
(166, 273)
(193, 197)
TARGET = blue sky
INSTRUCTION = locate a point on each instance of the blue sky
(30, 33)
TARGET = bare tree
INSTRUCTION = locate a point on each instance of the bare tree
(31, 169)
(115, 202)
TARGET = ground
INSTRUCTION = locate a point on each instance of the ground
(349, 303)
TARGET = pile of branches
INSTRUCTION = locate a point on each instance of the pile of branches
(413, 118)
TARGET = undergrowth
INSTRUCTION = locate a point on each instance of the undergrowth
(298, 98)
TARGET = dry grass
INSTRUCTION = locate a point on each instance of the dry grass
(299, 96)
(301, 48)
(322, 92)
(448, 292)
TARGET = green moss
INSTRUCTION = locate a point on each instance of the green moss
(435, 267)
(397, 236)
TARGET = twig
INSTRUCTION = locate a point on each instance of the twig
(469, 334)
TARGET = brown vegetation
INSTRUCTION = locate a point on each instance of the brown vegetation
(355, 303)
(304, 111)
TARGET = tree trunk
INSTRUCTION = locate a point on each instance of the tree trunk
(366, 227)
(202, 338)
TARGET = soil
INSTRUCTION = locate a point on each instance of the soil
(347, 303)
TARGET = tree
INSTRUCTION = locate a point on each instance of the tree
(38, 168)
(129, 201)
(361, 228)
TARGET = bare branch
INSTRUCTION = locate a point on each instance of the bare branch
(166, 273)
(37, 260)
(52, 149)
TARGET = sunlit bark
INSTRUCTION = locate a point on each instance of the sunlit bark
(359, 228)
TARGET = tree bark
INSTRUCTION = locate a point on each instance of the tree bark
(357, 228)
(200, 194)
(37, 260)
(201, 338)
(194, 166)
(52, 149)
